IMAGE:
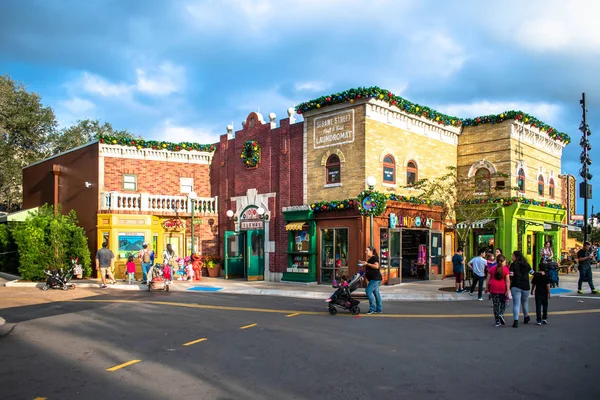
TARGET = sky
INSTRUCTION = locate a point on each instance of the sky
(182, 70)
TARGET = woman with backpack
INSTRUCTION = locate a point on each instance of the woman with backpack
(497, 285)
(519, 287)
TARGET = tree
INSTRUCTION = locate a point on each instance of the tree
(466, 199)
(84, 131)
(25, 126)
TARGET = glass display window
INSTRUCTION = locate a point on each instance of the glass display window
(334, 254)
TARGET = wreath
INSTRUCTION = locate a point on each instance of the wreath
(251, 153)
(371, 202)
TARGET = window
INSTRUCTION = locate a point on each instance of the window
(551, 188)
(521, 180)
(334, 253)
(333, 168)
(389, 169)
(482, 180)
(500, 185)
(186, 185)
(541, 185)
(411, 173)
(129, 182)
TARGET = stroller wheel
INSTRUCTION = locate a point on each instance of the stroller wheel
(332, 310)
(167, 288)
(355, 310)
(149, 288)
(45, 287)
(65, 287)
(72, 286)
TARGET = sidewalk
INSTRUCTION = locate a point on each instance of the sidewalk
(442, 290)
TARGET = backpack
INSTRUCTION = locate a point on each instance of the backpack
(146, 257)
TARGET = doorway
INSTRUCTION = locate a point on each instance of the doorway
(176, 241)
(244, 255)
(415, 254)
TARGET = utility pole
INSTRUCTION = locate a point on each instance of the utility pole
(585, 189)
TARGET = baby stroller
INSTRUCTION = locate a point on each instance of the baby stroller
(156, 279)
(552, 268)
(342, 297)
(58, 279)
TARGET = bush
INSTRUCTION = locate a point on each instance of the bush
(48, 241)
(9, 257)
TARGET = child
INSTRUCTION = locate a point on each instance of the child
(189, 269)
(167, 272)
(498, 286)
(181, 267)
(541, 284)
(490, 263)
(130, 270)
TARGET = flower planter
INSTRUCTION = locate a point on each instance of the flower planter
(214, 271)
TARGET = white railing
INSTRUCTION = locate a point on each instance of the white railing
(146, 202)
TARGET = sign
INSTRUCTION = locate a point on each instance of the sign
(410, 222)
(577, 217)
(334, 129)
(393, 220)
(251, 225)
(571, 198)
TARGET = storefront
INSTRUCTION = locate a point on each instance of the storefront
(302, 244)
(244, 249)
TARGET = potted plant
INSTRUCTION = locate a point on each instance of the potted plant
(213, 265)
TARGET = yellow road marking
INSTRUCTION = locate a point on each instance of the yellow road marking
(248, 326)
(128, 363)
(293, 314)
(195, 341)
(40, 398)
(322, 313)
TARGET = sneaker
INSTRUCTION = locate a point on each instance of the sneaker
(544, 322)
(497, 323)
(580, 291)
(371, 312)
(502, 320)
(595, 291)
(526, 319)
(104, 287)
(470, 293)
(516, 324)
(539, 323)
(378, 312)
(480, 299)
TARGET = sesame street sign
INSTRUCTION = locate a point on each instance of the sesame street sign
(334, 129)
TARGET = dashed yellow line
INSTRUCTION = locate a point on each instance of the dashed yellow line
(321, 313)
(128, 363)
(248, 326)
(293, 314)
(195, 341)
(40, 398)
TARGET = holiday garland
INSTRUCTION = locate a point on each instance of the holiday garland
(349, 96)
(251, 153)
(519, 116)
(413, 200)
(154, 144)
(371, 202)
(333, 205)
(507, 201)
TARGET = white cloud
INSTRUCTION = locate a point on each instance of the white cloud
(164, 80)
(547, 112)
(435, 52)
(77, 105)
(181, 133)
(311, 86)
(95, 84)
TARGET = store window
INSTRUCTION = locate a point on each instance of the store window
(334, 253)
(186, 185)
(411, 173)
(521, 180)
(540, 185)
(551, 188)
(389, 169)
(482, 181)
(129, 182)
(333, 170)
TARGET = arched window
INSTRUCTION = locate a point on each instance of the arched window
(389, 169)
(541, 185)
(551, 188)
(412, 173)
(333, 170)
(521, 180)
(482, 180)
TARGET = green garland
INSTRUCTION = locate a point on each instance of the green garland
(349, 96)
(154, 144)
(507, 201)
(519, 116)
(376, 200)
(334, 205)
(251, 153)
(413, 200)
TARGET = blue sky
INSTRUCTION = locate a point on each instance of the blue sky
(184, 69)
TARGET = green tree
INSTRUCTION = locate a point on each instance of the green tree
(84, 131)
(25, 126)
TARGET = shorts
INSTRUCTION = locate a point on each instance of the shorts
(104, 271)
(459, 277)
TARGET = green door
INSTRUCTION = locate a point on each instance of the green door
(255, 250)
(234, 255)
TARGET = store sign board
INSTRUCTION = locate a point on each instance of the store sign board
(571, 198)
(333, 129)
(577, 217)
(251, 225)
(410, 222)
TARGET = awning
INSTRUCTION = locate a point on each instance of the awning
(476, 224)
(295, 226)
(573, 228)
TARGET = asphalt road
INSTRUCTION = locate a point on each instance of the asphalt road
(434, 350)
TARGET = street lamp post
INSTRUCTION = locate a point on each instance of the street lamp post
(371, 181)
(192, 196)
(585, 189)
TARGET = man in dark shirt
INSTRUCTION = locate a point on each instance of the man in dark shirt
(584, 258)
(541, 284)
(458, 267)
(105, 260)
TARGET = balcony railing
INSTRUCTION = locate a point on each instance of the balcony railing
(144, 202)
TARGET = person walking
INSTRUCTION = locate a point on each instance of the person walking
(373, 275)
(519, 287)
(169, 262)
(105, 260)
(547, 254)
(147, 257)
(478, 264)
(584, 258)
(458, 267)
(541, 284)
(498, 285)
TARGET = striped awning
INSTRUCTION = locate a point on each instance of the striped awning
(295, 226)
(476, 224)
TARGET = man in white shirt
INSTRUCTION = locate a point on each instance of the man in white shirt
(478, 265)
